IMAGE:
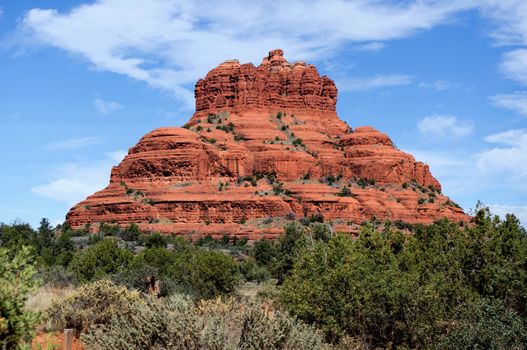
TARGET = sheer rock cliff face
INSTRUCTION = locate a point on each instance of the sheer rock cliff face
(264, 146)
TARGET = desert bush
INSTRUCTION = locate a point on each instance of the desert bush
(179, 324)
(17, 271)
(92, 304)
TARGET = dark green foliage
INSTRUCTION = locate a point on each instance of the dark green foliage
(208, 273)
(421, 201)
(264, 252)
(362, 182)
(413, 291)
(59, 252)
(102, 260)
(108, 229)
(316, 217)
(485, 324)
(242, 242)
(153, 240)
(297, 142)
(227, 128)
(345, 192)
(278, 188)
(321, 232)
(252, 272)
(130, 233)
(16, 235)
(288, 245)
(238, 137)
(329, 179)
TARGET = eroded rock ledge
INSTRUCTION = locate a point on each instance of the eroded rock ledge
(264, 146)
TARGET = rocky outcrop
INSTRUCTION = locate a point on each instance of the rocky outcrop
(265, 146)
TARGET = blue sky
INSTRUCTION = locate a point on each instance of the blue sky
(83, 81)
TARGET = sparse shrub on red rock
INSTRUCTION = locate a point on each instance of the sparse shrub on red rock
(278, 120)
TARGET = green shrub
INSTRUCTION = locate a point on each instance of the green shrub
(153, 240)
(92, 304)
(264, 252)
(288, 245)
(214, 325)
(410, 291)
(297, 142)
(486, 324)
(130, 233)
(345, 192)
(17, 271)
(206, 274)
(252, 272)
(99, 261)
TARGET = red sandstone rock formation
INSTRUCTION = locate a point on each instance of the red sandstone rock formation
(265, 145)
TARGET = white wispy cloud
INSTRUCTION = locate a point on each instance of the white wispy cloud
(516, 101)
(439, 85)
(510, 157)
(373, 46)
(74, 143)
(169, 44)
(441, 126)
(510, 19)
(73, 182)
(375, 82)
(106, 107)
(116, 156)
(514, 65)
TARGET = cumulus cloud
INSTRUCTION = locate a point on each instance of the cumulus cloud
(169, 44)
(375, 82)
(441, 126)
(76, 143)
(516, 101)
(106, 107)
(73, 182)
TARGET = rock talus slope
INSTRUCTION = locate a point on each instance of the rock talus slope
(264, 146)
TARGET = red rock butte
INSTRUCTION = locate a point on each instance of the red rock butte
(264, 147)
